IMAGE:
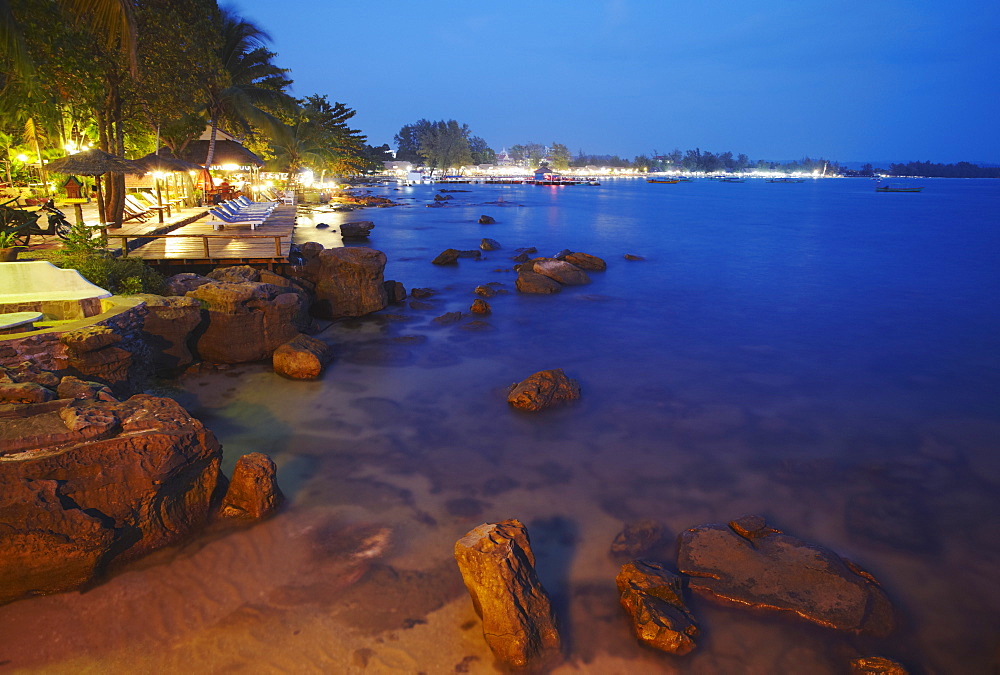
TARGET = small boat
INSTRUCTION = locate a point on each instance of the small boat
(731, 179)
(663, 180)
(785, 179)
(897, 188)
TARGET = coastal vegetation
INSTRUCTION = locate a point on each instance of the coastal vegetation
(131, 78)
(441, 144)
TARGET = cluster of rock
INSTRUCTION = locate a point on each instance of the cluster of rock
(89, 483)
(549, 275)
(745, 563)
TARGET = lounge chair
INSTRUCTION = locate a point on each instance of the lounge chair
(228, 219)
(149, 201)
(235, 210)
(134, 209)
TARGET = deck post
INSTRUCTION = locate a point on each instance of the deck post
(277, 246)
(204, 240)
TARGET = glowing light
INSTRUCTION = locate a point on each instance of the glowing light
(230, 167)
(22, 158)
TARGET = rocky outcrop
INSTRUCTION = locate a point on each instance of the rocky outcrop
(654, 601)
(498, 567)
(348, 282)
(74, 387)
(560, 270)
(356, 230)
(632, 256)
(246, 321)
(488, 244)
(485, 291)
(235, 274)
(531, 282)
(301, 358)
(88, 485)
(487, 220)
(480, 306)
(115, 355)
(750, 564)
(168, 328)
(544, 389)
(253, 491)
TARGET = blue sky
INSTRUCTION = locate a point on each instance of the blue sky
(894, 80)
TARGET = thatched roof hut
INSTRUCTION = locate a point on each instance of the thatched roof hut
(226, 152)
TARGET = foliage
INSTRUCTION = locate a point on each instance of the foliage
(85, 253)
(441, 145)
(8, 238)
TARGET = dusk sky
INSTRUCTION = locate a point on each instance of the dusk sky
(894, 80)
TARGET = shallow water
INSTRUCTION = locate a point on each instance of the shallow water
(818, 353)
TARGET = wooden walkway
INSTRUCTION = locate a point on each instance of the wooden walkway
(199, 243)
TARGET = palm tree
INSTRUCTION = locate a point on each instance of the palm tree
(112, 18)
(249, 79)
(298, 145)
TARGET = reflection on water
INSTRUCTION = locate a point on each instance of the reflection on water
(818, 353)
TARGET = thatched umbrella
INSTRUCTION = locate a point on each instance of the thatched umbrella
(163, 161)
(94, 162)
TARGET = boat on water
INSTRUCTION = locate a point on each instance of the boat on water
(785, 179)
(731, 179)
(663, 180)
(898, 188)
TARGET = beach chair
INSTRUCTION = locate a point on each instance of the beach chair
(243, 200)
(133, 209)
(225, 218)
(235, 210)
(149, 201)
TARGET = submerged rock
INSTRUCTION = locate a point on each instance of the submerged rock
(642, 539)
(301, 358)
(498, 568)
(750, 564)
(480, 306)
(486, 220)
(632, 256)
(488, 244)
(544, 389)
(253, 491)
(654, 601)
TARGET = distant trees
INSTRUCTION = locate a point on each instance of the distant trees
(959, 170)
(441, 145)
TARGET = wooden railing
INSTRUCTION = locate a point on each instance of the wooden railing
(204, 237)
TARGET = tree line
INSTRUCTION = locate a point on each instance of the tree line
(125, 77)
(959, 170)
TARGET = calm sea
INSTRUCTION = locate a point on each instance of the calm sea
(818, 353)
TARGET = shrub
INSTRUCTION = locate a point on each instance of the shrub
(85, 253)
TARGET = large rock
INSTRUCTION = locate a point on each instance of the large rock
(488, 244)
(356, 230)
(544, 389)
(654, 601)
(487, 220)
(301, 358)
(531, 282)
(498, 567)
(395, 292)
(565, 273)
(88, 485)
(253, 491)
(750, 564)
(247, 321)
(349, 282)
(237, 274)
(169, 326)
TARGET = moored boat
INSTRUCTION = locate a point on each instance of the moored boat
(663, 180)
(898, 188)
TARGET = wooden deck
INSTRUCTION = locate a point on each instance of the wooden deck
(198, 243)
